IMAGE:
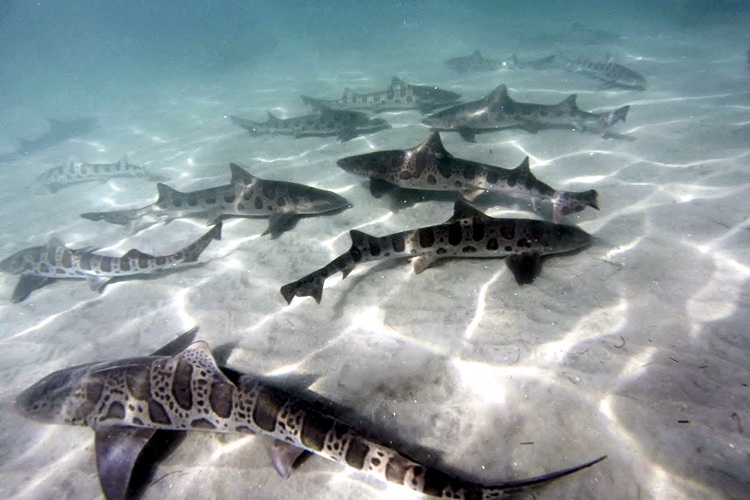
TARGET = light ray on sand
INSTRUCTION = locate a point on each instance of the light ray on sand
(481, 304)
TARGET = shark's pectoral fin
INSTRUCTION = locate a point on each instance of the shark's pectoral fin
(96, 283)
(283, 456)
(379, 187)
(280, 222)
(524, 266)
(467, 134)
(117, 450)
(422, 262)
(27, 283)
(471, 194)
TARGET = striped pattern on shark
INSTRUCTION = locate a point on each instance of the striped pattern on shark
(609, 72)
(344, 124)
(468, 233)
(473, 63)
(430, 166)
(77, 171)
(498, 111)
(38, 266)
(398, 96)
(127, 401)
(246, 196)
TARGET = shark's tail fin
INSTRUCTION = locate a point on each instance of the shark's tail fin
(567, 202)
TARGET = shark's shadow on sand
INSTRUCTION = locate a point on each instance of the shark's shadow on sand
(59, 131)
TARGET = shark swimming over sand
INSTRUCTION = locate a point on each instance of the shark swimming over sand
(609, 72)
(498, 111)
(398, 96)
(430, 166)
(344, 124)
(473, 63)
(59, 131)
(468, 233)
(540, 63)
(77, 171)
(129, 402)
(39, 266)
(283, 203)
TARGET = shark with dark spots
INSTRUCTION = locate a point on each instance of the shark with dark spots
(283, 203)
(430, 166)
(77, 171)
(59, 132)
(344, 124)
(469, 233)
(398, 96)
(131, 402)
(39, 266)
(473, 63)
(498, 111)
(609, 72)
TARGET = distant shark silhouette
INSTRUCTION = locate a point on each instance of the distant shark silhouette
(59, 131)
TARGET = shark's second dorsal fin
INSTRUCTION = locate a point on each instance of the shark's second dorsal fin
(136, 254)
(462, 210)
(166, 192)
(199, 355)
(55, 241)
(241, 175)
(569, 102)
(347, 93)
(177, 345)
(397, 82)
(476, 54)
(73, 159)
(272, 117)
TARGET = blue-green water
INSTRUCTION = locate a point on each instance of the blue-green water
(635, 348)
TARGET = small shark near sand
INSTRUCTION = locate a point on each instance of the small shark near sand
(398, 96)
(77, 171)
(469, 233)
(38, 266)
(609, 72)
(474, 63)
(430, 166)
(131, 402)
(59, 131)
(498, 111)
(541, 63)
(344, 124)
(246, 196)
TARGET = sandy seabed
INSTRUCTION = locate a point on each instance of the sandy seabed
(636, 348)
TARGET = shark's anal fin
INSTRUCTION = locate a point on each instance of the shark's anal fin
(117, 450)
(27, 283)
(379, 187)
(467, 134)
(96, 283)
(283, 456)
(524, 266)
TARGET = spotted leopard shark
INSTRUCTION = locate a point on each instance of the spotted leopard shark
(430, 166)
(468, 233)
(473, 63)
(40, 265)
(398, 96)
(344, 124)
(130, 401)
(283, 203)
(612, 74)
(77, 172)
(498, 111)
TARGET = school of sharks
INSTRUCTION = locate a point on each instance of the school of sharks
(182, 387)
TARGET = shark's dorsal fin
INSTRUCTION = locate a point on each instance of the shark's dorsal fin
(462, 210)
(55, 241)
(396, 81)
(177, 345)
(476, 54)
(123, 161)
(435, 144)
(347, 93)
(134, 253)
(73, 159)
(499, 94)
(569, 102)
(166, 192)
(524, 166)
(272, 117)
(241, 175)
(198, 354)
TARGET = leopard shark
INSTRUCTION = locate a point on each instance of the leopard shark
(40, 265)
(131, 402)
(344, 124)
(398, 96)
(430, 166)
(473, 63)
(498, 111)
(77, 171)
(468, 233)
(609, 72)
(540, 63)
(245, 196)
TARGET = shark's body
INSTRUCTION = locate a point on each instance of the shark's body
(344, 124)
(77, 171)
(430, 166)
(541, 63)
(609, 72)
(38, 266)
(246, 196)
(398, 96)
(498, 111)
(474, 63)
(59, 131)
(127, 402)
(469, 233)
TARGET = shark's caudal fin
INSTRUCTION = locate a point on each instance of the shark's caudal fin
(567, 202)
